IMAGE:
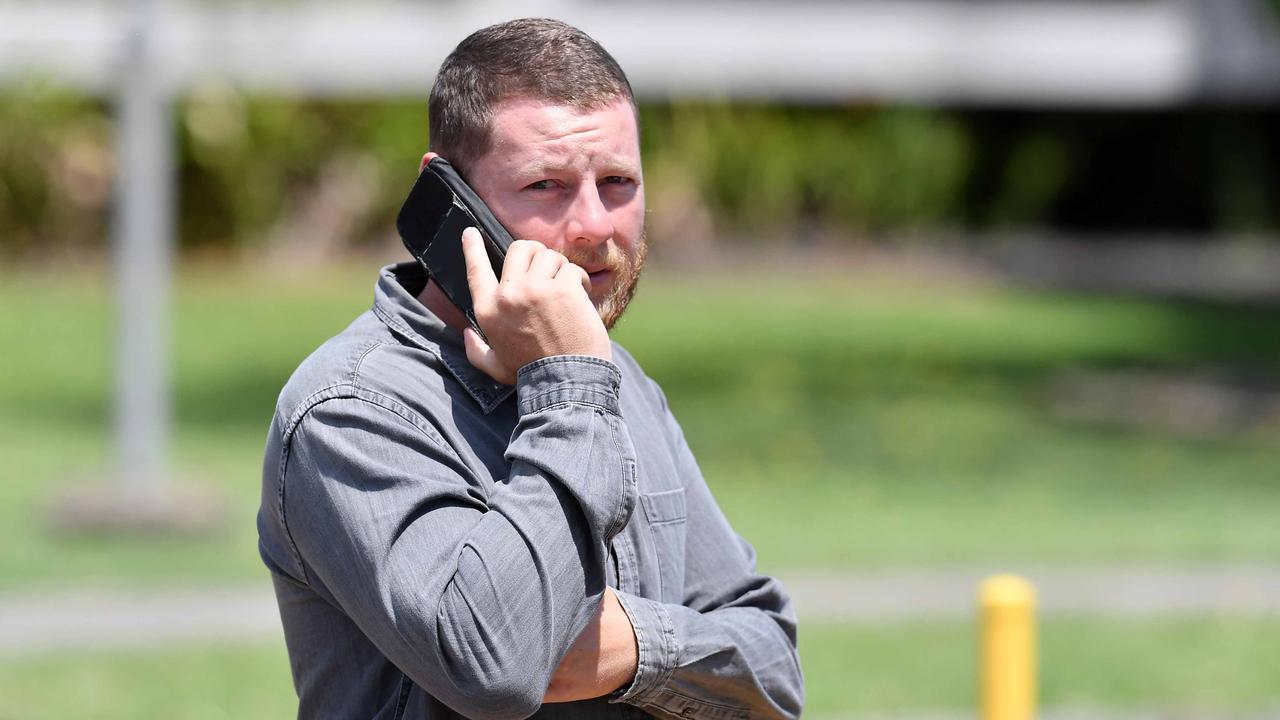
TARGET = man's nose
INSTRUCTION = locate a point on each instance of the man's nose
(589, 221)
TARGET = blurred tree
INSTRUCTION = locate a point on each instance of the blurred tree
(56, 169)
(303, 176)
(306, 178)
(772, 172)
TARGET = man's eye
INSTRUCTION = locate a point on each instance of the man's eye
(540, 185)
(617, 180)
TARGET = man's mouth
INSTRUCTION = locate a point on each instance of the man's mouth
(601, 277)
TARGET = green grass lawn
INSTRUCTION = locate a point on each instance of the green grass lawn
(839, 422)
(1204, 667)
(862, 425)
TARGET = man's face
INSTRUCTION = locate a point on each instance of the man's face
(570, 179)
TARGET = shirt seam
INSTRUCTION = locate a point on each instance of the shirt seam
(621, 513)
(556, 359)
(355, 369)
(717, 710)
(554, 400)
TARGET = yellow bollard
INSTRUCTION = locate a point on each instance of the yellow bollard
(1007, 682)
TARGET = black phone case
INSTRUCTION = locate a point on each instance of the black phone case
(439, 207)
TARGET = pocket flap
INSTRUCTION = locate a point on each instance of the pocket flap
(664, 507)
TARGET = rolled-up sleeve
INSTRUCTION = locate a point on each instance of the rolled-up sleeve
(474, 588)
(730, 649)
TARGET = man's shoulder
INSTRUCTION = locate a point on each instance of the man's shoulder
(632, 373)
(366, 360)
(330, 365)
(636, 383)
(625, 360)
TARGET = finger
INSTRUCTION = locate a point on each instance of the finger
(546, 263)
(484, 358)
(519, 255)
(575, 273)
(480, 277)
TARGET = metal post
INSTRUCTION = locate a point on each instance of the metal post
(140, 494)
(1007, 674)
(143, 253)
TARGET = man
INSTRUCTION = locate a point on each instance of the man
(513, 525)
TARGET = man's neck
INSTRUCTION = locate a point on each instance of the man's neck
(434, 299)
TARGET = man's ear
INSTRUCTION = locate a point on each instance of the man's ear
(426, 159)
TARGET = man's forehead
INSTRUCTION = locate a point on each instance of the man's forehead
(527, 124)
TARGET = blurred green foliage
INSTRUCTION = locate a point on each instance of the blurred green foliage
(55, 170)
(260, 170)
(764, 170)
(312, 176)
(257, 168)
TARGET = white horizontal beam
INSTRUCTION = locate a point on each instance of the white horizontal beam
(1130, 52)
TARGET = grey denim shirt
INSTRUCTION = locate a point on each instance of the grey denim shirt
(438, 540)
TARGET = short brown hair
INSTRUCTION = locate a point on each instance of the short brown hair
(534, 58)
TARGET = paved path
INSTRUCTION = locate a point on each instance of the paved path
(77, 619)
(1082, 713)
(1130, 590)
(124, 619)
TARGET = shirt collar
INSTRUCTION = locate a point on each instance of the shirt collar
(395, 302)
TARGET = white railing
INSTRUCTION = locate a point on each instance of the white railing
(1131, 52)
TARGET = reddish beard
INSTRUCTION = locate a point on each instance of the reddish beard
(626, 268)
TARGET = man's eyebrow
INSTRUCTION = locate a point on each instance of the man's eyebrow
(612, 165)
(621, 162)
(538, 168)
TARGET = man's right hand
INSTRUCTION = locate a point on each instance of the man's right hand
(539, 309)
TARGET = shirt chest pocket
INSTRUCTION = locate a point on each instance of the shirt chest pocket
(665, 513)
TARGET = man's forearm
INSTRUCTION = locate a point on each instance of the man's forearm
(601, 660)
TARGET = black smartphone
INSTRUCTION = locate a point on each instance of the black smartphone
(439, 207)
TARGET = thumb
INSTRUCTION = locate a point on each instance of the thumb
(483, 357)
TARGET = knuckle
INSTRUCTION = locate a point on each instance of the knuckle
(567, 290)
(509, 297)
